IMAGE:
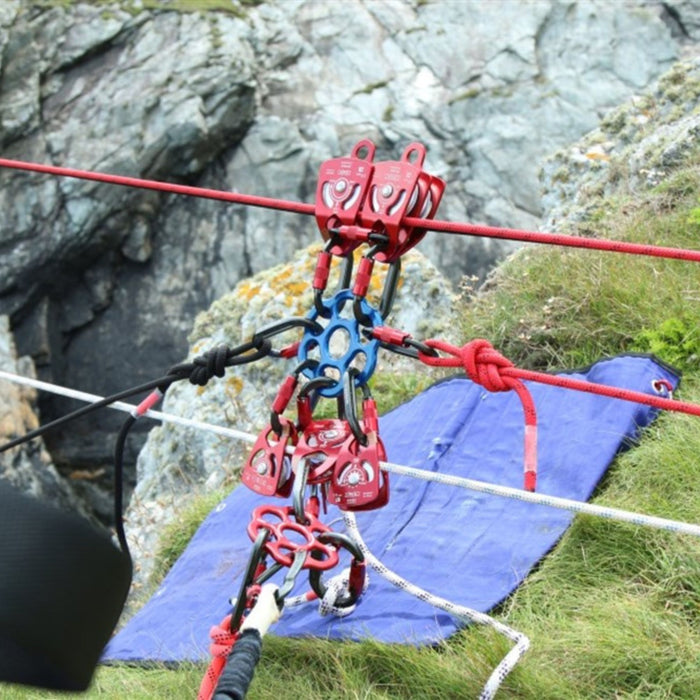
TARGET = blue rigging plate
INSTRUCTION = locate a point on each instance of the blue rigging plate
(340, 345)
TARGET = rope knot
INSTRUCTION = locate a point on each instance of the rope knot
(484, 364)
(222, 639)
(210, 364)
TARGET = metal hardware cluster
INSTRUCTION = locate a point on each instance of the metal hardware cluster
(317, 461)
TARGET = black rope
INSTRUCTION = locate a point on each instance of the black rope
(212, 363)
(162, 383)
(119, 484)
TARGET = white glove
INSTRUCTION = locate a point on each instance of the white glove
(264, 612)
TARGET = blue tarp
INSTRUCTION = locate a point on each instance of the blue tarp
(468, 547)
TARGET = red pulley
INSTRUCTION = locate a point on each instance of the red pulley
(318, 445)
(358, 482)
(340, 192)
(400, 189)
(268, 469)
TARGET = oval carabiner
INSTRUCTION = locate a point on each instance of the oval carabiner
(391, 285)
(343, 282)
(350, 404)
(357, 569)
(300, 480)
(257, 556)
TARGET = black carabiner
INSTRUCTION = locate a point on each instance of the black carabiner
(339, 540)
(290, 577)
(343, 282)
(350, 404)
(256, 557)
(410, 348)
(391, 285)
(286, 324)
(299, 487)
(316, 383)
(360, 315)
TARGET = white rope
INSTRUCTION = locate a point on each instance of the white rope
(127, 407)
(522, 643)
(607, 512)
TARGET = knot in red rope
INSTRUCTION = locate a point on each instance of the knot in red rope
(222, 639)
(484, 365)
(222, 642)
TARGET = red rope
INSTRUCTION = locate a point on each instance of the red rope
(235, 197)
(506, 370)
(222, 642)
(488, 368)
(309, 209)
(555, 239)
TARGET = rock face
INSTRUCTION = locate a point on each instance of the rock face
(101, 282)
(177, 463)
(27, 467)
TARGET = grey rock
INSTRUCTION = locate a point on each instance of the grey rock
(683, 18)
(109, 92)
(645, 138)
(27, 467)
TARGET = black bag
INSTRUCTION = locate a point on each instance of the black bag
(62, 589)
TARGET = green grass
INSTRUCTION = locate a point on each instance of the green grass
(556, 307)
(614, 610)
(177, 534)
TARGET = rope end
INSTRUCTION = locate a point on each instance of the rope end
(530, 481)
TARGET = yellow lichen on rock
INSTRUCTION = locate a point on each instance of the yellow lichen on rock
(234, 385)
